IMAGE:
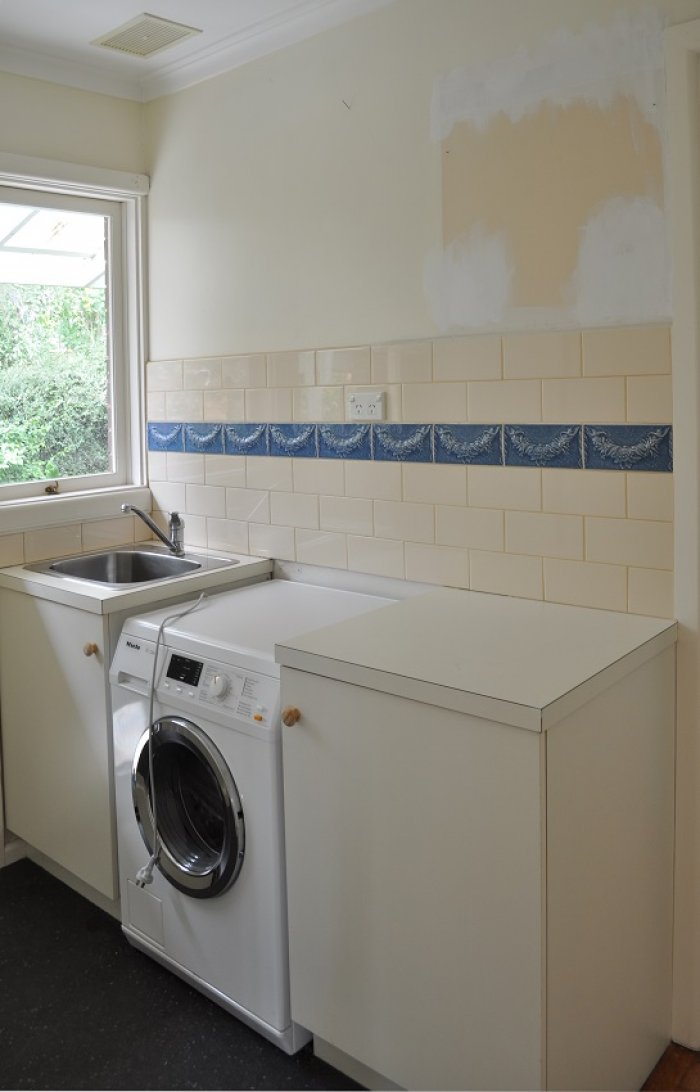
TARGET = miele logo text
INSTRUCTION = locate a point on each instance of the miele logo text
(132, 644)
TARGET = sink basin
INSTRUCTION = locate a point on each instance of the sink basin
(130, 565)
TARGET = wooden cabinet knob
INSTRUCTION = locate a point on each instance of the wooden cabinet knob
(90, 649)
(290, 715)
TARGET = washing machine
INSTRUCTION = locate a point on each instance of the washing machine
(198, 790)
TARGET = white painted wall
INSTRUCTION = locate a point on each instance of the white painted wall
(297, 201)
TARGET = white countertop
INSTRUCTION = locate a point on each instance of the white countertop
(517, 661)
(102, 599)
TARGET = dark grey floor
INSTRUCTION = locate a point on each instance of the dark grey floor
(81, 1009)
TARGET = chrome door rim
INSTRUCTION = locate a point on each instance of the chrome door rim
(201, 875)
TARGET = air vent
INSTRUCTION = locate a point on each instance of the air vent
(145, 35)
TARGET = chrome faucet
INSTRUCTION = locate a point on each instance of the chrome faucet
(176, 525)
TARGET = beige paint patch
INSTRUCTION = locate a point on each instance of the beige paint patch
(536, 182)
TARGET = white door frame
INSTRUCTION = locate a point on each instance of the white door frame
(682, 46)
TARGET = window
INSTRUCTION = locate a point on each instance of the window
(70, 344)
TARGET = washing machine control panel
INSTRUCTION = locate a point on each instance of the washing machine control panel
(205, 683)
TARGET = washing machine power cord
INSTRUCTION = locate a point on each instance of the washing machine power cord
(145, 873)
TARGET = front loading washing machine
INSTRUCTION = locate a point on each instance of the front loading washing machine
(198, 790)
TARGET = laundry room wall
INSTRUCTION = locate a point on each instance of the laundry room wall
(460, 205)
(51, 121)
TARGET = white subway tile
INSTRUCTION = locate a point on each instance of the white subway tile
(291, 369)
(409, 522)
(206, 500)
(164, 375)
(442, 402)
(343, 366)
(169, 496)
(318, 404)
(321, 548)
(539, 355)
(462, 358)
(52, 542)
(506, 574)
(184, 466)
(224, 405)
(248, 505)
(480, 528)
(373, 480)
(268, 541)
(195, 530)
(380, 556)
(437, 565)
(155, 406)
(227, 534)
(579, 401)
(544, 535)
(583, 492)
(268, 405)
(635, 542)
(585, 584)
(405, 362)
(244, 371)
(102, 534)
(651, 592)
(11, 550)
(294, 509)
(650, 496)
(505, 401)
(318, 476)
(266, 473)
(649, 399)
(200, 375)
(351, 515)
(225, 470)
(432, 484)
(505, 487)
(157, 466)
(184, 406)
(633, 350)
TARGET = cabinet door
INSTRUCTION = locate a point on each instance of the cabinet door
(55, 735)
(414, 874)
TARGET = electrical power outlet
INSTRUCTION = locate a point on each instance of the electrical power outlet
(365, 406)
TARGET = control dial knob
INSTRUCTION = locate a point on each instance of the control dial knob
(219, 686)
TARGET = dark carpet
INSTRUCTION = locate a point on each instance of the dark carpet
(81, 1009)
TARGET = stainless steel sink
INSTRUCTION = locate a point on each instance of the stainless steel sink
(130, 565)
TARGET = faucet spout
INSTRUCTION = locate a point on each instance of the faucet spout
(176, 525)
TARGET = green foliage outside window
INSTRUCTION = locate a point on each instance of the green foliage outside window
(54, 412)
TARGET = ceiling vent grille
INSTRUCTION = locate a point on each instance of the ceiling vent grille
(145, 35)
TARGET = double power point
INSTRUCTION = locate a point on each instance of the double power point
(365, 406)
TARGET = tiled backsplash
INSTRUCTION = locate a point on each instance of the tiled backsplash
(471, 481)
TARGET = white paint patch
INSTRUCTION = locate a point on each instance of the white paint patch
(469, 282)
(623, 271)
(624, 57)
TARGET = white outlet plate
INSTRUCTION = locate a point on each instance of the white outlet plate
(365, 406)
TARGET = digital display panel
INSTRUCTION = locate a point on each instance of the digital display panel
(183, 670)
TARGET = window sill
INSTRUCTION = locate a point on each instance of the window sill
(63, 508)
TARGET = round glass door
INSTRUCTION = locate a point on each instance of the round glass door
(198, 809)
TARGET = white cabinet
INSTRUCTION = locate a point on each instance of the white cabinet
(55, 735)
(475, 904)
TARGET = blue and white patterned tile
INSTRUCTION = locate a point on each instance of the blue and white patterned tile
(344, 442)
(403, 443)
(543, 445)
(629, 447)
(165, 436)
(206, 438)
(468, 444)
(297, 440)
(245, 440)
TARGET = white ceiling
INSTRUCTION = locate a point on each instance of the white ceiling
(50, 39)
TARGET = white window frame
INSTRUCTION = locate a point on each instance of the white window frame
(27, 506)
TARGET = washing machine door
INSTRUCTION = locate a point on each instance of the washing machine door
(198, 810)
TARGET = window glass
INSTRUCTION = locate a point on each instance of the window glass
(60, 366)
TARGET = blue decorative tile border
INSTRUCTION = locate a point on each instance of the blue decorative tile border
(599, 447)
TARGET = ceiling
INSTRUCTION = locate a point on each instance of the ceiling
(50, 39)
